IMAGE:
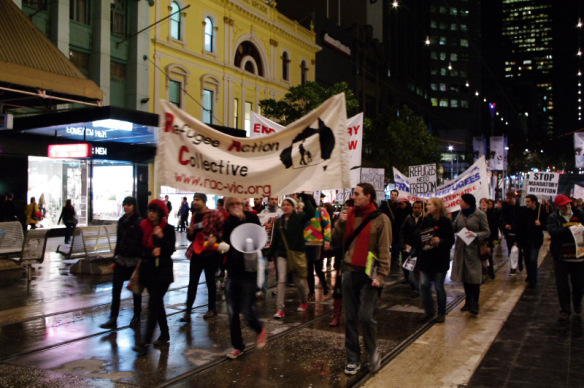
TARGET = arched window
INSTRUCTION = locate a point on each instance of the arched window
(209, 35)
(285, 67)
(303, 72)
(242, 57)
(175, 21)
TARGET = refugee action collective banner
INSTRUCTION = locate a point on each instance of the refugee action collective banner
(261, 126)
(472, 181)
(309, 154)
(579, 149)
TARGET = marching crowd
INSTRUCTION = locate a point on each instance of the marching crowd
(364, 237)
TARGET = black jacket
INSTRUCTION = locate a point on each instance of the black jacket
(159, 271)
(129, 236)
(562, 245)
(527, 232)
(235, 263)
(437, 259)
(410, 233)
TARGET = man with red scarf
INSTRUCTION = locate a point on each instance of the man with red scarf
(206, 225)
(361, 292)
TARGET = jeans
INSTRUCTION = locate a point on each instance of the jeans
(360, 305)
(426, 279)
(531, 254)
(569, 273)
(199, 263)
(240, 299)
(315, 265)
(156, 311)
(121, 274)
(282, 274)
(68, 232)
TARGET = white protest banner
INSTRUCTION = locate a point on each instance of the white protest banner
(473, 181)
(578, 192)
(261, 126)
(579, 149)
(309, 154)
(355, 132)
(497, 148)
(543, 183)
(376, 177)
(422, 179)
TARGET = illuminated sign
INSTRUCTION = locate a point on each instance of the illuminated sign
(63, 151)
(79, 131)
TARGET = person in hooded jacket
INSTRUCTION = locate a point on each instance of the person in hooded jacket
(127, 255)
(158, 244)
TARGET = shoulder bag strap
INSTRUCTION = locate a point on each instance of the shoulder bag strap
(363, 224)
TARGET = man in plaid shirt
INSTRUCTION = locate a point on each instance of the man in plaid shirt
(205, 230)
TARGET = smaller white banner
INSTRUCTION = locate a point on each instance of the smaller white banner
(376, 177)
(498, 160)
(543, 183)
(422, 179)
(579, 149)
(578, 192)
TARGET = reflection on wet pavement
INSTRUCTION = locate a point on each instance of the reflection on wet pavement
(53, 334)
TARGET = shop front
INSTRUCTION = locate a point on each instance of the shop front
(95, 157)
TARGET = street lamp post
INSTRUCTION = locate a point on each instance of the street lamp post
(450, 148)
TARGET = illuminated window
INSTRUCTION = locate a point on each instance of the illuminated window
(207, 106)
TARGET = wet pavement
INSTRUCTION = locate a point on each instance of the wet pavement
(50, 335)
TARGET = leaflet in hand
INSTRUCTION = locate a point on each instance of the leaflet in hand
(462, 235)
(578, 234)
(426, 237)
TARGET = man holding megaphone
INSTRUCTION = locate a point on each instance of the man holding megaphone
(242, 231)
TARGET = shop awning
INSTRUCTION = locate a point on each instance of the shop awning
(95, 125)
(33, 72)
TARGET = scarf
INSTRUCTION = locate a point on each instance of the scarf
(361, 250)
(148, 229)
(469, 211)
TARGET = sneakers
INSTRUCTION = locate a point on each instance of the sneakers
(310, 297)
(234, 354)
(210, 314)
(302, 307)
(261, 339)
(279, 314)
(513, 272)
(375, 363)
(352, 369)
(260, 295)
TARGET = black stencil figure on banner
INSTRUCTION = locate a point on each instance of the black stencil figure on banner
(311, 146)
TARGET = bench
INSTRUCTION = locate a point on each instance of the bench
(31, 250)
(11, 238)
(94, 246)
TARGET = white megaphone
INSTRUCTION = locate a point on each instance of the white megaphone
(250, 239)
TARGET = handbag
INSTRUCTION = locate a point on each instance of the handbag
(134, 284)
(485, 250)
(37, 216)
(296, 260)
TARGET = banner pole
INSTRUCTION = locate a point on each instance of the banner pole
(539, 210)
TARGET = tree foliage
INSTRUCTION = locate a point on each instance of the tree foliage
(302, 99)
(399, 138)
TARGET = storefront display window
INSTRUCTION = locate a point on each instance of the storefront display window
(112, 182)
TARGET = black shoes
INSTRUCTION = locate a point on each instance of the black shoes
(186, 318)
(210, 314)
(162, 340)
(111, 324)
(140, 349)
